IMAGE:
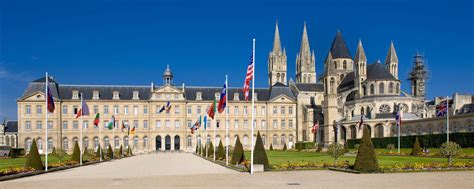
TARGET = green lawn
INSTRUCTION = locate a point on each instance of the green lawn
(277, 157)
(20, 162)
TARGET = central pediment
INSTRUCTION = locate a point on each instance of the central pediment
(167, 92)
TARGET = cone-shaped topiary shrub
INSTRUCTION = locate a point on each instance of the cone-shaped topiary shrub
(130, 151)
(34, 159)
(259, 154)
(416, 150)
(121, 151)
(210, 150)
(97, 153)
(76, 153)
(271, 147)
(54, 151)
(366, 160)
(220, 151)
(110, 152)
(284, 147)
(238, 156)
(197, 149)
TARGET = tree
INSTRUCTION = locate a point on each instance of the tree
(34, 160)
(76, 153)
(366, 159)
(197, 149)
(271, 147)
(98, 153)
(220, 151)
(110, 152)
(416, 150)
(449, 150)
(54, 151)
(284, 147)
(238, 156)
(390, 147)
(85, 155)
(210, 149)
(60, 154)
(336, 150)
(259, 154)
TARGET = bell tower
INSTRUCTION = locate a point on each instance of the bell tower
(277, 62)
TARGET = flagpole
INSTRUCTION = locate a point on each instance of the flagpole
(447, 119)
(46, 102)
(100, 137)
(82, 127)
(215, 126)
(226, 125)
(207, 145)
(113, 140)
(399, 125)
(253, 102)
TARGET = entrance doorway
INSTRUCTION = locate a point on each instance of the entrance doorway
(158, 143)
(167, 142)
(176, 142)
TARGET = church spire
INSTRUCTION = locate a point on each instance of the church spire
(391, 55)
(304, 42)
(360, 53)
(276, 40)
(305, 67)
(339, 48)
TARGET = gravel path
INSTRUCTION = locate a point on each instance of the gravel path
(188, 171)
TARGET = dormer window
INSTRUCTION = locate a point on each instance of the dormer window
(116, 95)
(198, 96)
(135, 95)
(236, 96)
(255, 95)
(95, 95)
(75, 94)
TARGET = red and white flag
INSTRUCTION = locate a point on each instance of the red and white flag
(84, 111)
(315, 127)
(248, 77)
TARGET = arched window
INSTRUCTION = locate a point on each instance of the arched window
(85, 142)
(341, 77)
(278, 77)
(362, 111)
(246, 140)
(264, 140)
(397, 89)
(309, 78)
(96, 143)
(390, 87)
(27, 144)
(372, 89)
(106, 142)
(282, 77)
(116, 142)
(126, 141)
(364, 90)
(283, 140)
(381, 88)
(39, 143)
(344, 65)
(335, 64)
(275, 140)
(135, 141)
(332, 85)
(65, 144)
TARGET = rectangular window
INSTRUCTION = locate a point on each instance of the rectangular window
(39, 125)
(86, 125)
(290, 123)
(158, 124)
(135, 124)
(177, 124)
(39, 110)
(145, 124)
(96, 109)
(236, 110)
(245, 123)
(275, 124)
(50, 125)
(106, 110)
(274, 110)
(227, 123)
(168, 123)
(28, 109)
(135, 110)
(74, 109)
(125, 109)
(263, 124)
(263, 110)
(116, 109)
(145, 110)
(227, 109)
(64, 125)
(190, 110)
(28, 125)
(75, 125)
(236, 124)
(189, 123)
(283, 110)
(176, 110)
(198, 110)
(290, 110)
(245, 111)
(283, 124)
(254, 124)
(64, 110)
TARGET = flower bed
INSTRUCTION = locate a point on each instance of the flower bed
(409, 167)
(308, 165)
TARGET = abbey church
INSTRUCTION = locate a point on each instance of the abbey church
(351, 88)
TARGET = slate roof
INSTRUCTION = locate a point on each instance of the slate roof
(339, 48)
(126, 92)
(313, 87)
(11, 127)
(347, 83)
(378, 71)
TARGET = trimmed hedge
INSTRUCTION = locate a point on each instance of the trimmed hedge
(15, 152)
(305, 145)
(465, 140)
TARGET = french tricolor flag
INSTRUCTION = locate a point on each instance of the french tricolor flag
(50, 100)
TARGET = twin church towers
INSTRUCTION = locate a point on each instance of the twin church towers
(305, 62)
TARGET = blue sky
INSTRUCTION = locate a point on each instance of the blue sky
(130, 42)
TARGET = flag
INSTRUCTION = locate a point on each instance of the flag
(442, 109)
(132, 131)
(212, 110)
(222, 100)
(248, 77)
(398, 118)
(315, 127)
(84, 111)
(111, 124)
(168, 107)
(200, 121)
(162, 109)
(96, 120)
(361, 121)
(205, 122)
(50, 100)
(123, 126)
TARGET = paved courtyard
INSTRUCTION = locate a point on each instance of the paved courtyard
(188, 171)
